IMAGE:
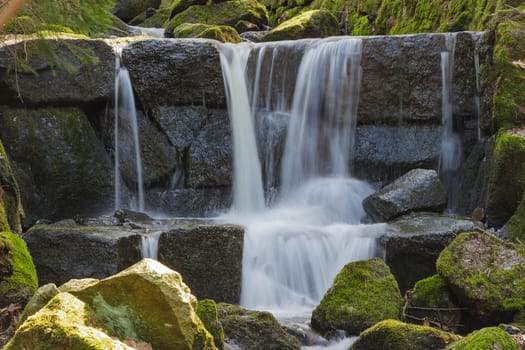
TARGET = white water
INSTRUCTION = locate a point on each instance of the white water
(451, 148)
(125, 112)
(149, 247)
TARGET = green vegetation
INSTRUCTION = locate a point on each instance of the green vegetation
(515, 227)
(11, 211)
(486, 339)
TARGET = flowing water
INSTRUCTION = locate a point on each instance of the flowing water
(149, 245)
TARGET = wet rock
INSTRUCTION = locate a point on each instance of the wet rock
(363, 293)
(253, 330)
(486, 275)
(190, 202)
(412, 244)
(417, 190)
(310, 24)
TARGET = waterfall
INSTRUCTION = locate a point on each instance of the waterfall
(126, 116)
(149, 247)
(451, 148)
(295, 247)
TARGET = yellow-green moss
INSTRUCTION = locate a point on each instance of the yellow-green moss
(486, 339)
(11, 211)
(221, 33)
(22, 283)
(207, 312)
(396, 335)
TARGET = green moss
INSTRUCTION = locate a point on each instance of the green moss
(22, 283)
(363, 293)
(158, 20)
(486, 338)
(220, 33)
(118, 320)
(207, 312)
(431, 292)
(11, 211)
(515, 227)
(309, 24)
(396, 335)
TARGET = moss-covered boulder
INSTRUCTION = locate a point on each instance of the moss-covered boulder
(515, 227)
(506, 178)
(157, 20)
(148, 302)
(207, 312)
(432, 300)
(18, 279)
(396, 335)
(60, 164)
(487, 276)
(129, 9)
(363, 293)
(41, 297)
(486, 339)
(225, 13)
(225, 34)
(11, 211)
(179, 6)
(64, 323)
(254, 330)
(310, 24)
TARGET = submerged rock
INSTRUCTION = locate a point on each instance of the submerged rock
(363, 293)
(254, 330)
(486, 339)
(486, 274)
(396, 335)
(417, 190)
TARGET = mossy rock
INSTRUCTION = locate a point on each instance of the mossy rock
(396, 335)
(310, 24)
(18, 274)
(225, 13)
(515, 227)
(39, 299)
(11, 211)
(487, 276)
(363, 293)
(225, 34)
(207, 312)
(254, 330)
(64, 323)
(179, 6)
(356, 17)
(126, 10)
(506, 178)
(486, 339)
(429, 300)
(158, 20)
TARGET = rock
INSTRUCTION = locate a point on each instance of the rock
(309, 24)
(11, 211)
(486, 274)
(396, 335)
(179, 6)
(154, 66)
(64, 323)
(157, 20)
(18, 278)
(506, 177)
(63, 253)
(207, 312)
(76, 285)
(253, 330)
(41, 297)
(88, 81)
(148, 302)
(412, 244)
(208, 256)
(417, 190)
(128, 9)
(432, 301)
(515, 227)
(190, 202)
(61, 166)
(228, 13)
(363, 293)
(225, 34)
(486, 339)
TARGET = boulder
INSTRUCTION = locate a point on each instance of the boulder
(486, 339)
(396, 335)
(412, 244)
(207, 312)
(363, 293)
(515, 228)
(208, 256)
(154, 66)
(148, 302)
(506, 177)
(39, 299)
(126, 10)
(225, 34)
(11, 211)
(87, 79)
(61, 166)
(432, 301)
(254, 330)
(64, 323)
(417, 190)
(309, 24)
(486, 274)
(18, 278)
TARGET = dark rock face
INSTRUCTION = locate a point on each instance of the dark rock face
(413, 243)
(126, 10)
(417, 190)
(208, 257)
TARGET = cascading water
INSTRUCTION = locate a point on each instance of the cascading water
(149, 245)
(126, 116)
(451, 149)
(293, 250)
